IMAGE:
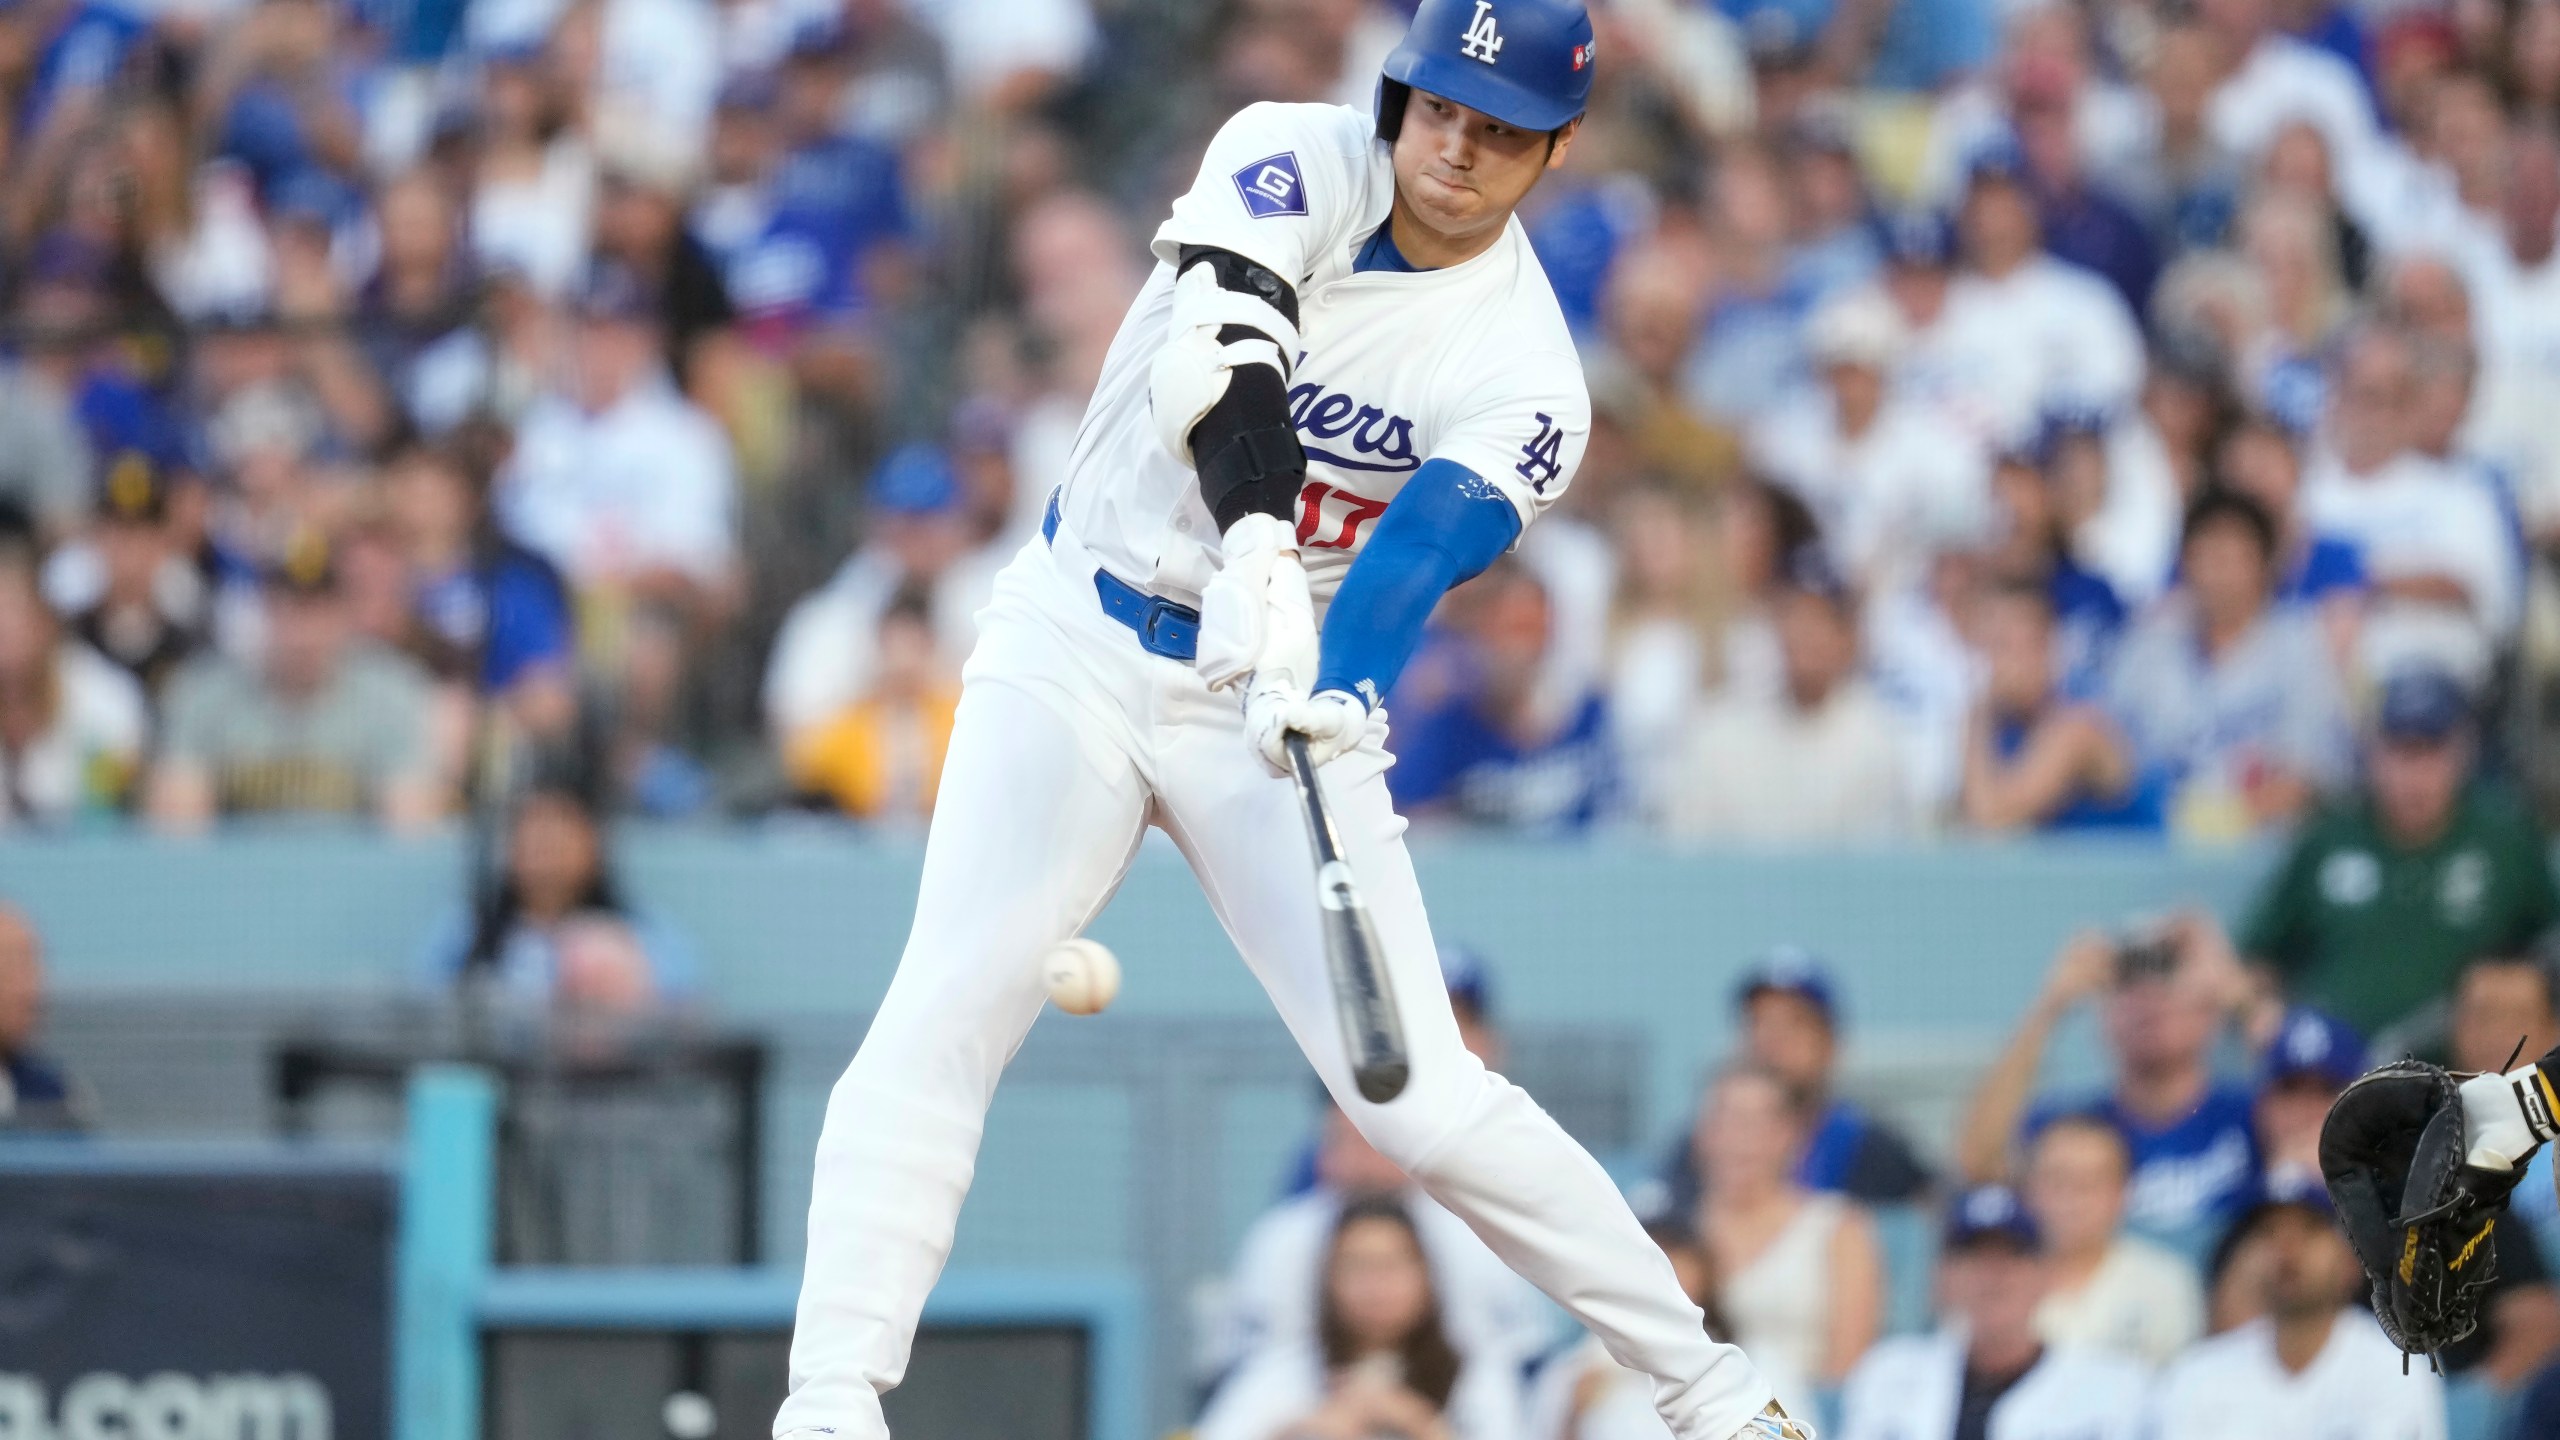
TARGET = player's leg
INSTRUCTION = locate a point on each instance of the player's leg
(1038, 814)
(1475, 1141)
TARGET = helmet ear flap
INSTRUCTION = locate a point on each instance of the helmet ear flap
(1393, 96)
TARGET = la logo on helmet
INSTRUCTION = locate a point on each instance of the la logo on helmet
(1482, 41)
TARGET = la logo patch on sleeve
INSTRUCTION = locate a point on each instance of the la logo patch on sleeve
(1272, 187)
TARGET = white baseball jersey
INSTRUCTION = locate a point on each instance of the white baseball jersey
(2231, 1387)
(1471, 363)
(1072, 738)
(1910, 1387)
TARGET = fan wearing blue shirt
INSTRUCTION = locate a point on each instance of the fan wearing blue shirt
(1476, 740)
(2163, 995)
(1789, 1011)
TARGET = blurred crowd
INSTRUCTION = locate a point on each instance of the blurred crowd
(2154, 1256)
(2010, 416)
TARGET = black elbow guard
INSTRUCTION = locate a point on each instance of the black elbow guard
(1245, 450)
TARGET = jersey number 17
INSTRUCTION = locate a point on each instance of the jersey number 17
(1355, 510)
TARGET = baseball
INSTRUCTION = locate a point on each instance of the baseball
(1082, 976)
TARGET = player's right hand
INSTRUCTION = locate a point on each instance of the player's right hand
(1332, 721)
(1256, 616)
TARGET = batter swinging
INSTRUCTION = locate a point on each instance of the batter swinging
(1347, 381)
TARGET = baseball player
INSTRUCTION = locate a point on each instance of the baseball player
(1347, 381)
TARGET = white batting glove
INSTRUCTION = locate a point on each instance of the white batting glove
(2506, 1118)
(1255, 613)
(1332, 721)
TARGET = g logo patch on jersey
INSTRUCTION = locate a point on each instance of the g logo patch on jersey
(1272, 187)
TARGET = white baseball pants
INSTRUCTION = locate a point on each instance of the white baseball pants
(1071, 739)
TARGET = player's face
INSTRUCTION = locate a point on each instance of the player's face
(1460, 172)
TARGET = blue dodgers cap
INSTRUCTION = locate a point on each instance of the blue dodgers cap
(2421, 703)
(1916, 236)
(613, 291)
(2060, 426)
(1990, 1215)
(2310, 1045)
(916, 479)
(2285, 1187)
(1524, 62)
(1791, 970)
(1470, 982)
(1998, 158)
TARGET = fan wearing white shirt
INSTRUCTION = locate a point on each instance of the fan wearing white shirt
(2440, 556)
(2275, 78)
(2104, 1289)
(622, 479)
(2314, 1367)
(1877, 469)
(1988, 1374)
(2026, 335)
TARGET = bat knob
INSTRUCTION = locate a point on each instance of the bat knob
(1381, 1083)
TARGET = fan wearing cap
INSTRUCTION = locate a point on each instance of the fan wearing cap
(2386, 892)
(2312, 1057)
(2314, 1366)
(917, 537)
(1987, 1373)
(149, 614)
(322, 724)
(1880, 469)
(618, 479)
(2027, 334)
(1788, 1008)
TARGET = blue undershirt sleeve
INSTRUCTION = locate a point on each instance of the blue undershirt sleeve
(1444, 527)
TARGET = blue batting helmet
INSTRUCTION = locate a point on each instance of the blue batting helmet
(1523, 62)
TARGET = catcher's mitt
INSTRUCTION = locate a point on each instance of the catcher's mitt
(2419, 1218)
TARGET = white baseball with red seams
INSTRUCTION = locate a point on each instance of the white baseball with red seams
(1072, 738)
(1083, 976)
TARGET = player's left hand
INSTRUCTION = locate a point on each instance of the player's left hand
(1332, 720)
(1256, 617)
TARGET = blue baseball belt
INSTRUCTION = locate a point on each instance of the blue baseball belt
(1163, 627)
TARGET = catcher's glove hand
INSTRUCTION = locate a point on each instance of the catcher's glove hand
(2393, 1152)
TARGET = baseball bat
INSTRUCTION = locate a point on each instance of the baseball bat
(1371, 1029)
